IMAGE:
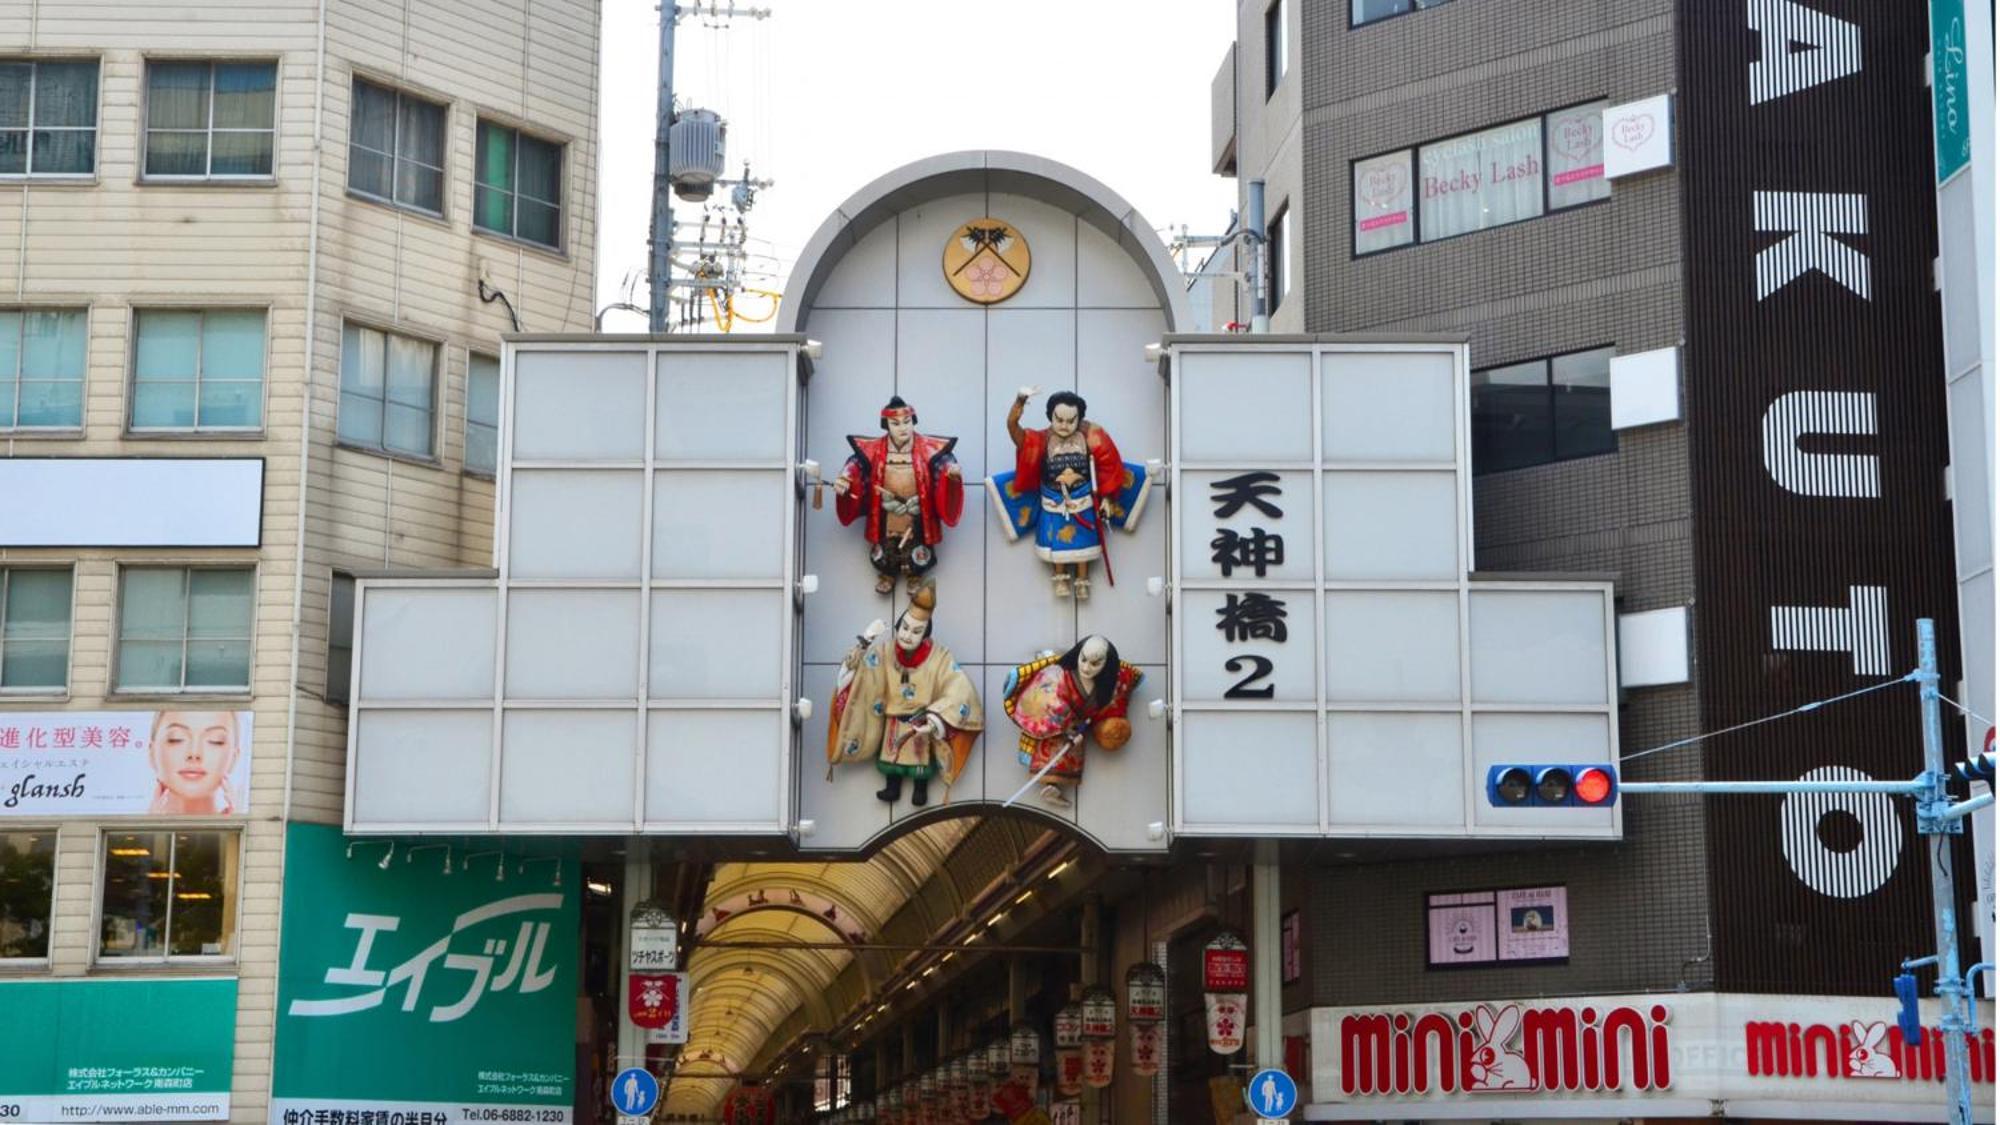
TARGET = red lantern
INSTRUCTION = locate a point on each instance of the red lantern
(1148, 1049)
(1099, 1057)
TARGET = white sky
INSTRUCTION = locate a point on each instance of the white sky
(826, 95)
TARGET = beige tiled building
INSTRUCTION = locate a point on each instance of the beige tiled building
(283, 231)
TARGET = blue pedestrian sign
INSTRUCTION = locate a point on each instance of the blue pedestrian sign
(1272, 1094)
(634, 1092)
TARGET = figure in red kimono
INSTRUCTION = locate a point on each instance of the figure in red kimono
(908, 487)
(1068, 483)
(1056, 700)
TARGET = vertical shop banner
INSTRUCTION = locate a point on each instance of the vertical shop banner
(116, 1050)
(438, 991)
(124, 763)
(1816, 448)
(1949, 91)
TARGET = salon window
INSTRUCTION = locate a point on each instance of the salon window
(27, 891)
(168, 896)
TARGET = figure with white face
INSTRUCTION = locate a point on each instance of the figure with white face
(192, 754)
(903, 702)
(1056, 700)
(1073, 470)
(908, 487)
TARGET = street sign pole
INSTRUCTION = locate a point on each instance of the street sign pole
(1937, 827)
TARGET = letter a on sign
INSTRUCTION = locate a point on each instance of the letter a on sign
(1801, 48)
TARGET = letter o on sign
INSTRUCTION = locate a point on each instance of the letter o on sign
(1853, 873)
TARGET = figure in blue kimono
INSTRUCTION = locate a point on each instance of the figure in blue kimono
(1067, 486)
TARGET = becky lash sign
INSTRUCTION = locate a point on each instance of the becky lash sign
(124, 763)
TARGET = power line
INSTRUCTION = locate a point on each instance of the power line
(1799, 710)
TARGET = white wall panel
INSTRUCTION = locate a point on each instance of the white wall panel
(585, 406)
(921, 232)
(567, 767)
(718, 406)
(1392, 646)
(1105, 275)
(1531, 646)
(1243, 768)
(865, 277)
(712, 767)
(572, 644)
(1391, 525)
(1389, 407)
(1645, 388)
(1199, 526)
(941, 370)
(1396, 769)
(721, 523)
(1248, 407)
(714, 644)
(573, 523)
(423, 767)
(1051, 235)
(1128, 397)
(398, 634)
(130, 502)
(1207, 654)
(1653, 647)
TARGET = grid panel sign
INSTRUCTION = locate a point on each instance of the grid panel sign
(639, 626)
(1339, 673)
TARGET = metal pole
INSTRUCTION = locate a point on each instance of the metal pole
(1267, 1009)
(660, 244)
(1253, 222)
(1944, 895)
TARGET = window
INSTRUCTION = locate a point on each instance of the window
(386, 391)
(210, 120)
(1490, 178)
(168, 895)
(41, 368)
(1542, 411)
(48, 118)
(198, 369)
(833, 1082)
(519, 185)
(34, 632)
(1369, 11)
(1278, 255)
(395, 152)
(1274, 46)
(184, 630)
(482, 414)
(340, 638)
(27, 888)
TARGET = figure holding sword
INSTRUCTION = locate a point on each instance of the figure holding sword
(1068, 486)
(903, 701)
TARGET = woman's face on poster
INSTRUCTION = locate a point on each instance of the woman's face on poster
(194, 752)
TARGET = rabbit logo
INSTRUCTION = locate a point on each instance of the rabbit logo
(1868, 1051)
(1494, 1064)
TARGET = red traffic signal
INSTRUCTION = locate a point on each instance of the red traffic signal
(1551, 785)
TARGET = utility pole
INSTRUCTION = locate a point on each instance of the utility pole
(1936, 824)
(660, 244)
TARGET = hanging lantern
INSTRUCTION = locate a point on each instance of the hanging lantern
(1025, 1046)
(1069, 1026)
(1099, 1060)
(1100, 1013)
(959, 1093)
(1069, 1070)
(979, 1082)
(998, 1058)
(1225, 983)
(1145, 993)
(1149, 1042)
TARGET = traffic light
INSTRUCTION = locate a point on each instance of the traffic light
(1979, 767)
(1586, 785)
(1907, 1020)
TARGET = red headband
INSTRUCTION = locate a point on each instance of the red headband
(899, 412)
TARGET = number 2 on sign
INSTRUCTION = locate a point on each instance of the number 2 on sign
(1260, 668)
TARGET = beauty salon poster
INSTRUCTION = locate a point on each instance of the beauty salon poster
(124, 763)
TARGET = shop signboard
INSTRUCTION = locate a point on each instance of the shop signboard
(124, 763)
(1950, 93)
(408, 990)
(117, 1049)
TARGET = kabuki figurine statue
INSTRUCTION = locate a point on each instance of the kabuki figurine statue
(901, 699)
(908, 487)
(1056, 700)
(1068, 484)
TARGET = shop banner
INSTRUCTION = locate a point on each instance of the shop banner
(429, 989)
(116, 1049)
(124, 763)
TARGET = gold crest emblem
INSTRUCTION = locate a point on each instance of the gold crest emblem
(986, 261)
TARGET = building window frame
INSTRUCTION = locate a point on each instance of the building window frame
(1277, 43)
(1414, 7)
(231, 889)
(349, 336)
(55, 885)
(513, 192)
(1549, 388)
(489, 432)
(200, 377)
(340, 639)
(396, 158)
(120, 665)
(1278, 259)
(30, 128)
(8, 576)
(1412, 154)
(208, 130)
(11, 382)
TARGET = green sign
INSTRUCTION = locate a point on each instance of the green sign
(442, 997)
(1949, 91)
(98, 1050)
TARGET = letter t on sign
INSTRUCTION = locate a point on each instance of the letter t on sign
(1861, 629)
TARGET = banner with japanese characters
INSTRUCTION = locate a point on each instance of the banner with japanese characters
(426, 981)
(124, 763)
(116, 1050)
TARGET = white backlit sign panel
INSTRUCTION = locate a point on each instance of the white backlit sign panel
(131, 502)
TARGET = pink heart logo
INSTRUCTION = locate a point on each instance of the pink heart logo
(1575, 139)
(1630, 132)
(1382, 186)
